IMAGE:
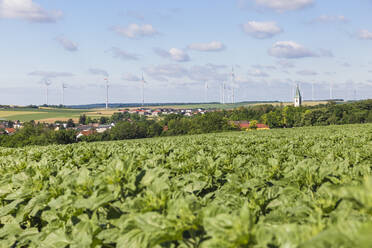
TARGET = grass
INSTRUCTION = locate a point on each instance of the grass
(28, 114)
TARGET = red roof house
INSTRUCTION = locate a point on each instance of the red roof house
(246, 125)
(10, 130)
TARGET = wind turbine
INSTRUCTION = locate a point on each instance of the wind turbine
(232, 85)
(64, 86)
(223, 92)
(206, 92)
(143, 90)
(107, 92)
(312, 91)
(47, 84)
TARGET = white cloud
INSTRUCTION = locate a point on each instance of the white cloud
(124, 55)
(364, 34)
(173, 54)
(328, 19)
(199, 73)
(307, 73)
(67, 44)
(326, 53)
(134, 31)
(285, 64)
(27, 10)
(261, 30)
(284, 5)
(50, 74)
(264, 67)
(213, 46)
(164, 72)
(290, 50)
(131, 77)
(258, 73)
(97, 71)
(208, 72)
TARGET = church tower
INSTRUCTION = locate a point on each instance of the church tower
(298, 98)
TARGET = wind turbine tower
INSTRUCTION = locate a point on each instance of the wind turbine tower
(232, 86)
(107, 92)
(143, 90)
(206, 92)
(355, 93)
(223, 92)
(47, 84)
(64, 86)
(312, 91)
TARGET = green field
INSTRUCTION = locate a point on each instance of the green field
(304, 187)
(28, 114)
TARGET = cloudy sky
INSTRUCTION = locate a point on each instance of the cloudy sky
(182, 46)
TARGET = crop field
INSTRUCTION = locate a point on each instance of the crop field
(48, 115)
(305, 187)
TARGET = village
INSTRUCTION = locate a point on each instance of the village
(8, 127)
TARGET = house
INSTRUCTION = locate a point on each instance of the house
(103, 128)
(84, 128)
(156, 113)
(241, 124)
(10, 131)
(141, 112)
(244, 125)
(86, 133)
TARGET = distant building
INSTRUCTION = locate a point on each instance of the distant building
(244, 125)
(86, 133)
(103, 128)
(298, 98)
(10, 131)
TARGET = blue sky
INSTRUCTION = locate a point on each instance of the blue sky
(180, 46)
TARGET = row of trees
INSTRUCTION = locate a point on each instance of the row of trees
(330, 114)
(38, 134)
(132, 126)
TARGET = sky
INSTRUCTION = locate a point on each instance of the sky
(186, 50)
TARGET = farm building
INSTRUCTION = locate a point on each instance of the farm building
(86, 133)
(10, 131)
(243, 125)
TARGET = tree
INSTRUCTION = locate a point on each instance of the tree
(83, 119)
(253, 124)
(65, 136)
(103, 120)
(70, 123)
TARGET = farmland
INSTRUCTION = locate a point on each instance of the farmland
(304, 187)
(49, 115)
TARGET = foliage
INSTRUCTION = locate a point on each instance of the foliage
(305, 187)
(38, 134)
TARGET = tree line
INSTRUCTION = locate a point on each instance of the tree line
(133, 126)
